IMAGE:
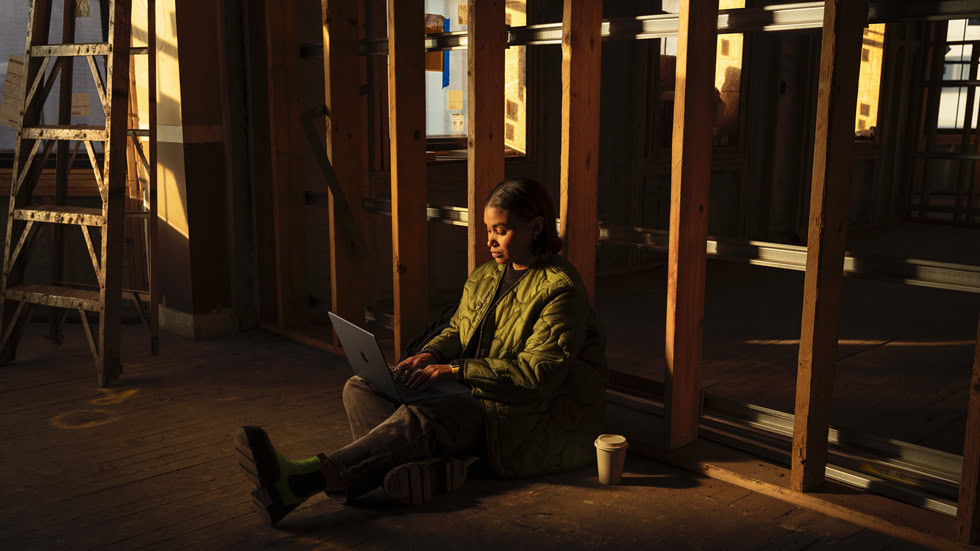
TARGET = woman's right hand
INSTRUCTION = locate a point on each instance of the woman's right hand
(410, 365)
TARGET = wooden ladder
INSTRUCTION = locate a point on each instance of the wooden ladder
(33, 146)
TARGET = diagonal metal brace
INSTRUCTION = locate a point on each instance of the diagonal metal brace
(341, 208)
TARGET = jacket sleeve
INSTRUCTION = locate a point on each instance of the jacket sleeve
(539, 369)
(448, 342)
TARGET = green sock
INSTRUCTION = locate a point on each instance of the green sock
(298, 480)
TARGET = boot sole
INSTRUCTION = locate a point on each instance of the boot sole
(415, 483)
(257, 458)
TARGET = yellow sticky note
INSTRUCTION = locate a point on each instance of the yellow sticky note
(462, 13)
(454, 100)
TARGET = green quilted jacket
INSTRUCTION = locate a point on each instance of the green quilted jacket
(542, 375)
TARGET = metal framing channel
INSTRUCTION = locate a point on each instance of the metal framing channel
(912, 474)
(781, 17)
(910, 271)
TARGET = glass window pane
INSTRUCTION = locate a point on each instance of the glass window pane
(869, 83)
(447, 100)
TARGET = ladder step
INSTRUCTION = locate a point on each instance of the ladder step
(65, 132)
(59, 297)
(141, 132)
(79, 49)
(61, 214)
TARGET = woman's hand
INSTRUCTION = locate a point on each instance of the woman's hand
(432, 373)
(420, 371)
(407, 367)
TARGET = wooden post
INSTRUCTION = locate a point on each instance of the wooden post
(345, 127)
(232, 68)
(62, 167)
(113, 208)
(260, 166)
(690, 178)
(840, 59)
(485, 166)
(967, 512)
(288, 170)
(581, 64)
(406, 114)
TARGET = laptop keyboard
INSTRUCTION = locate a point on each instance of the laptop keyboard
(410, 393)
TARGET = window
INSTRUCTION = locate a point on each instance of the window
(869, 81)
(963, 38)
(728, 78)
(447, 100)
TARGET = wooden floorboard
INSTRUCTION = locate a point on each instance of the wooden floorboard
(160, 472)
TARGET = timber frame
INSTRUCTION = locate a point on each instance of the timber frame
(581, 33)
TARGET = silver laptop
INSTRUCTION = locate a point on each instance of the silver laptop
(368, 362)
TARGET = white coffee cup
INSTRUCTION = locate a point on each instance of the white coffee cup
(610, 452)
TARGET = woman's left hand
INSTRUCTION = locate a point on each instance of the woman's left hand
(426, 376)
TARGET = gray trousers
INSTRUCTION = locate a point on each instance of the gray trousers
(387, 434)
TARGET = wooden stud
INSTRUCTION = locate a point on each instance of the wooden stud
(840, 59)
(151, 24)
(114, 173)
(345, 149)
(74, 50)
(232, 67)
(967, 510)
(406, 114)
(63, 166)
(37, 81)
(97, 77)
(288, 168)
(690, 179)
(486, 35)
(26, 168)
(260, 167)
(581, 59)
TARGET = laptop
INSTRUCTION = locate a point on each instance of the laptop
(368, 362)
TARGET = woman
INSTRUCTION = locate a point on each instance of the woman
(524, 338)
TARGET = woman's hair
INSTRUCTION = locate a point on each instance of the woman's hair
(526, 199)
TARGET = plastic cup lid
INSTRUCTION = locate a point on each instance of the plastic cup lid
(611, 441)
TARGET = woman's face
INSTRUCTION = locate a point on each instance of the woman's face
(508, 238)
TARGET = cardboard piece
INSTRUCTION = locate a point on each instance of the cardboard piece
(80, 106)
(13, 93)
(433, 24)
(82, 9)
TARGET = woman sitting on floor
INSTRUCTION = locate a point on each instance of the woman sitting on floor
(524, 338)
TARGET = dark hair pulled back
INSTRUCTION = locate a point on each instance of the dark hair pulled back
(527, 199)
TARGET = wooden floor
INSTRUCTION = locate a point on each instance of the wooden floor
(149, 464)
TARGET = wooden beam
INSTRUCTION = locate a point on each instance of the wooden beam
(288, 169)
(406, 114)
(967, 511)
(486, 34)
(581, 63)
(690, 179)
(345, 148)
(231, 39)
(62, 167)
(840, 60)
(114, 175)
(260, 167)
